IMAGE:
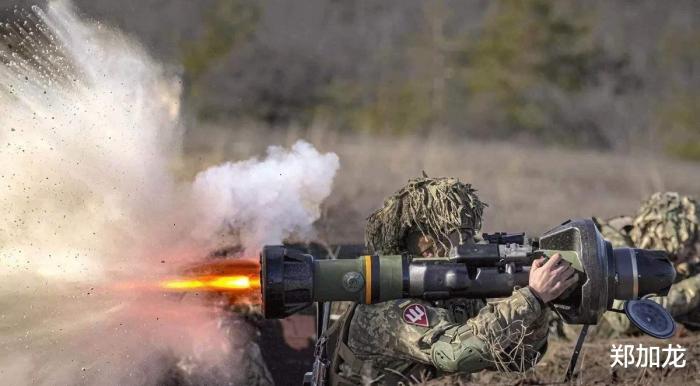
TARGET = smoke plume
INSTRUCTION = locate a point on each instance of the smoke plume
(89, 126)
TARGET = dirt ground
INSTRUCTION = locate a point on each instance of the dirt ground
(595, 365)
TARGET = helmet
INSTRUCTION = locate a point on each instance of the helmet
(667, 221)
(436, 207)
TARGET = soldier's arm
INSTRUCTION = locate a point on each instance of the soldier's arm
(682, 298)
(509, 335)
(511, 332)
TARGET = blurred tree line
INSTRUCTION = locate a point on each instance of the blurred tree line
(597, 73)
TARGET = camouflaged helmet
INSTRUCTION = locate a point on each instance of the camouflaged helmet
(667, 221)
(437, 207)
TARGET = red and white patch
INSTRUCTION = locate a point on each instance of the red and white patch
(416, 314)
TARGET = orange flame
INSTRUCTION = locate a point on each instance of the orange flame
(212, 283)
(237, 279)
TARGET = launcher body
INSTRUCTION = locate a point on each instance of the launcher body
(292, 280)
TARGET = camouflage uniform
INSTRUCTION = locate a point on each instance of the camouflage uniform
(616, 230)
(377, 344)
(669, 222)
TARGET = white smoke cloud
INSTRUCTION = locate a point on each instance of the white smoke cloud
(266, 200)
(88, 130)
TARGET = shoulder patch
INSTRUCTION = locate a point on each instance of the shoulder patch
(416, 314)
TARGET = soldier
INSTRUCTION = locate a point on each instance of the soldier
(411, 340)
(616, 230)
(666, 221)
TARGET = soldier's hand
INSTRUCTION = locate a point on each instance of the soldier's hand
(550, 279)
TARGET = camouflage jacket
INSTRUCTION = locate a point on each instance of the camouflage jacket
(616, 230)
(412, 341)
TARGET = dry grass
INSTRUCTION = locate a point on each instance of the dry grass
(527, 188)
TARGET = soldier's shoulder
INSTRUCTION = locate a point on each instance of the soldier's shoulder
(389, 313)
(407, 319)
(616, 230)
(397, 328)
(623, 223)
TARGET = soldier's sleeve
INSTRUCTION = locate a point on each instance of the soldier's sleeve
(508, 335)
(401, 329)
(682, 298)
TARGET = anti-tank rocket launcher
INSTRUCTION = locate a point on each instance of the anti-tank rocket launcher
(292, 280)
